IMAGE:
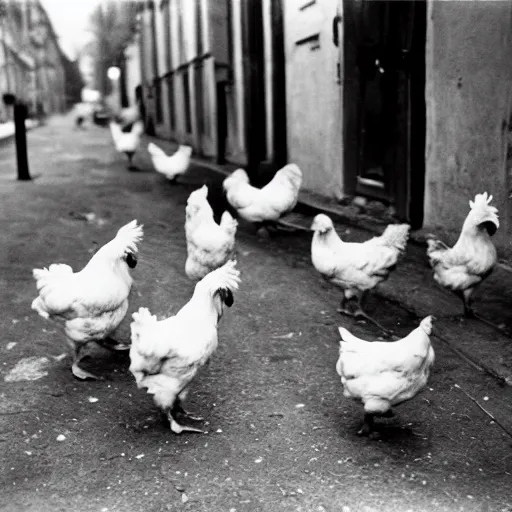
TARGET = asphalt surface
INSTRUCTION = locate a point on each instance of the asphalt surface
(281, 436)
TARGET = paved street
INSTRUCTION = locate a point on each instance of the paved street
(281, 436)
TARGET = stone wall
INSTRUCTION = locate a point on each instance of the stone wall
(468, 96)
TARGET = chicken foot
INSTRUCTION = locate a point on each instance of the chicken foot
(470, 313)
(177, 428)
(78, 372)
(466, 300)
(368, 424)
(178, 408)
(113, 344)
(130, 155)
(367, 428)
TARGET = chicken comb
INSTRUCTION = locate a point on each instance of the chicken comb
(483, 201)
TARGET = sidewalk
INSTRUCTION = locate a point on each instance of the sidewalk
(413, 287)
(7, 129)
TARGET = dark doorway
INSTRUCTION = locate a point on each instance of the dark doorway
(254, 85)
(279, 86)
(260, 168)
(139, 98)
(385, 67)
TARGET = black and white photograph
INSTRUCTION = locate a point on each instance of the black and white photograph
(256, 255)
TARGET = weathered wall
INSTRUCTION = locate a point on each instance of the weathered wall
(468, 93)
(314, 110)
(133, 74)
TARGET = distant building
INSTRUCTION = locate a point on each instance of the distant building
(32, 65)
(407, 103)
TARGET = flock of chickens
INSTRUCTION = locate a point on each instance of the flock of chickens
(166, 355)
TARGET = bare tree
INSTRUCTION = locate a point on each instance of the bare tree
(113, 24)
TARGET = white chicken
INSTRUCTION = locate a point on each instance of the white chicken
(127, 142)
(356, 267)
(384, 374)
(268, 204)
(166, 355)
(129, 115)
(92, 302)
(209, 245)
(472, 259)
(170, 166)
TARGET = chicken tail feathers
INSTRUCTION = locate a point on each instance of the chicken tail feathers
(45, 277)
(138, 128)
(55, 270)
(238, 176)
(154, 150)
(426, 324)
(396, 236)
(228, 223)
(186, 150)
(433, 245)
(347, 336)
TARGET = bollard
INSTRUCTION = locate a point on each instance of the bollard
(20, 135)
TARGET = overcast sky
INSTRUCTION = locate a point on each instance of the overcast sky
(70, 19)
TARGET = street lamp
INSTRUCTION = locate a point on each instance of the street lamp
(113, 72)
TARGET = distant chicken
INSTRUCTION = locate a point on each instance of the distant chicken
(472, 259)
(170, 166)
(266, 205)
(127, 142)
(209, 244)
(384, 374)
(129, 115)
(166, 355)
(356, 267)
(92, 302)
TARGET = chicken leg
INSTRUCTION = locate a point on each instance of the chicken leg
(78, 372)
(466, 300)
(177, 408)
(470, 313)
(367, 427)
(177, 428)
(113, 344)
(360, 313)
(130, 154)
(368, 424)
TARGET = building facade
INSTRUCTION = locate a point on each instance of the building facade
(406, 102)
(32, 65)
